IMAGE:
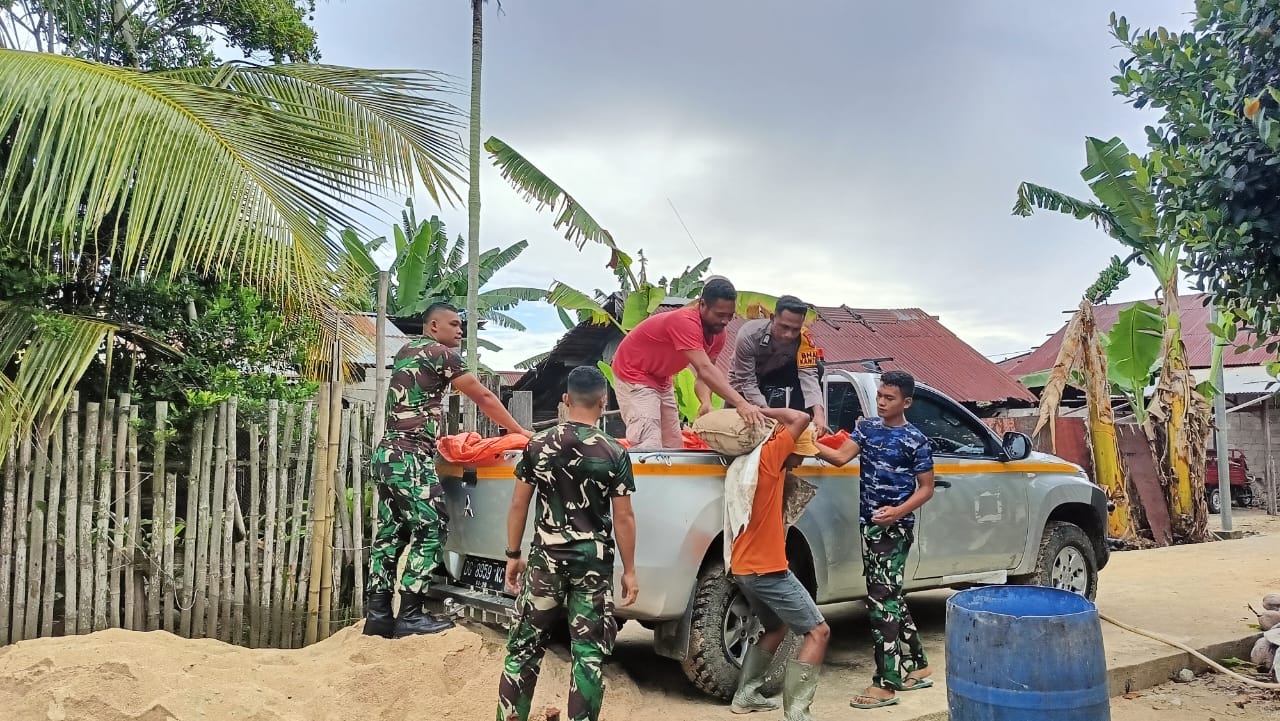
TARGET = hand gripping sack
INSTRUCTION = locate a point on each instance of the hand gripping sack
(726, 432)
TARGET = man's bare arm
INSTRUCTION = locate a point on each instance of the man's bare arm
(517, 516)
(839, 456)
(470, 386)
(794, 421)
(624, 532)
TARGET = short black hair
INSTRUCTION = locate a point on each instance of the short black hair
(791, 304)
(587, 384)
(718, 289)
(902, 380)
(439, 306)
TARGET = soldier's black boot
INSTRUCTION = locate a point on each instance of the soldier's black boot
(413, 621)
(378, 620)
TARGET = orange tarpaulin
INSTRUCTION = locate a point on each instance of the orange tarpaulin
(471, 450)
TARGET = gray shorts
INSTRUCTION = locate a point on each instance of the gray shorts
(779, 599)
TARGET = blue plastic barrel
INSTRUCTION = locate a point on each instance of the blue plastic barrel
(1016, 653)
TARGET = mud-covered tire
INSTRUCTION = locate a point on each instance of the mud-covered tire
(708, 663)
(1066, 560)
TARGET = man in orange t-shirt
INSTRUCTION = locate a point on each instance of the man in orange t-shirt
(661, 346)
(760, 569)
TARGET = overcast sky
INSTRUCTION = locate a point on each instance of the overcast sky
(849, 152)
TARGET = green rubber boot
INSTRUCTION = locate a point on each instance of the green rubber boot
(799, 685)
(749, 697)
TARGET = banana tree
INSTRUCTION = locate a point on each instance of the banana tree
(220, 171)
(1126, 209)
(429, 268)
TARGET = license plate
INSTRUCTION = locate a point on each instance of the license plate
(484, 573)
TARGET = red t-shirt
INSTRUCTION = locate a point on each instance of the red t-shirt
(655, 350)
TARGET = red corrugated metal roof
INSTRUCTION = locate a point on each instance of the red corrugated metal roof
(917, 342)
(1195, 334)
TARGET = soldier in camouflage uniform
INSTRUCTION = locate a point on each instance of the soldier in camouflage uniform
(411, 511)
(897, 478)
(583, 481)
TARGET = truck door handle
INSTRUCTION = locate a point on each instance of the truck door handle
(942, 484)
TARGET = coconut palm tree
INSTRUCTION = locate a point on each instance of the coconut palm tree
(1126, 209)
(220, 171)
(473, 186)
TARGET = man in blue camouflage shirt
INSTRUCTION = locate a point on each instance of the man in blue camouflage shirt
(897, 478)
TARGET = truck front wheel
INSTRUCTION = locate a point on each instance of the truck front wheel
(1066, 560)
(721, 626)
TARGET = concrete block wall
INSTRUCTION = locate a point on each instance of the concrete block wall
(1244, 431)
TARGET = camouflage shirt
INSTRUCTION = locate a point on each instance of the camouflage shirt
(576, 470)
(891, 458)
(420, 374)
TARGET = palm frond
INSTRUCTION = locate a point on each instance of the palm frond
(493, 260)
(537, 187)
(532, 361)
(568, 298)
(457, 254)
(508, 298)
(500, 319)
(690, 281)
(52, 351)
(400, 114)
(488, 345)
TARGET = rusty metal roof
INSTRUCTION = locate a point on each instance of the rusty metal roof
(916, 342)
(1199, 340)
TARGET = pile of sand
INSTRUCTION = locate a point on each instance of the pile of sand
(117, 675)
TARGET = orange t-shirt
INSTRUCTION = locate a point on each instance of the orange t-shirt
(762, 547)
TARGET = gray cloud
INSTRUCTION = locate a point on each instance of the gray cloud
(851, 152)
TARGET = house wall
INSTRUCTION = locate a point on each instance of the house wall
(1244, 431)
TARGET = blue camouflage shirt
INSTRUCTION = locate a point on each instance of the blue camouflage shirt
(891, 458)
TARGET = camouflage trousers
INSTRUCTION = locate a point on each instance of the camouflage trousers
(411, 514)
(897, 640)
(570, 581)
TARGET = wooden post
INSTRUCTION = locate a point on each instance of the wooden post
(133, 600)
(218, 511)
(255, 518)
(84, 559)
(271, 497)
(278, 618)
(484, 425)
(21, 530)
(357, 512)
(102, 518)
(333, 458)
(53, 506)
(229, 633)
(39, 501)
(115, 554)
(381, 374)
(521, 408)
(299, 566)
(453, 418)
(70, 554)
(164, 494)
(340, 485)
(319, 496)
(191, 523)
(9, 511)
(1270, 470)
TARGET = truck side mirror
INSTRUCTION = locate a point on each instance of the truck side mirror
(1016, 446)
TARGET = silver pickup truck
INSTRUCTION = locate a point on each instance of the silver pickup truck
(1001, 514)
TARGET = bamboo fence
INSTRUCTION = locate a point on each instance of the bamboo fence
(250, 526)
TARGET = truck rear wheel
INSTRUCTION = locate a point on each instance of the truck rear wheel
(720, 628)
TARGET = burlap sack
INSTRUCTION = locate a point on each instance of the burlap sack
(726, 432)
(796, 494)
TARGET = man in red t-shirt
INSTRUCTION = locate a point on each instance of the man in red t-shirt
(660, 347)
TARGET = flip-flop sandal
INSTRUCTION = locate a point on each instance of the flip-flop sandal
(917, 684)
(880, 702)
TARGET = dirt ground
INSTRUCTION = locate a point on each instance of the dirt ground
(1208, 697)
(122, 676)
